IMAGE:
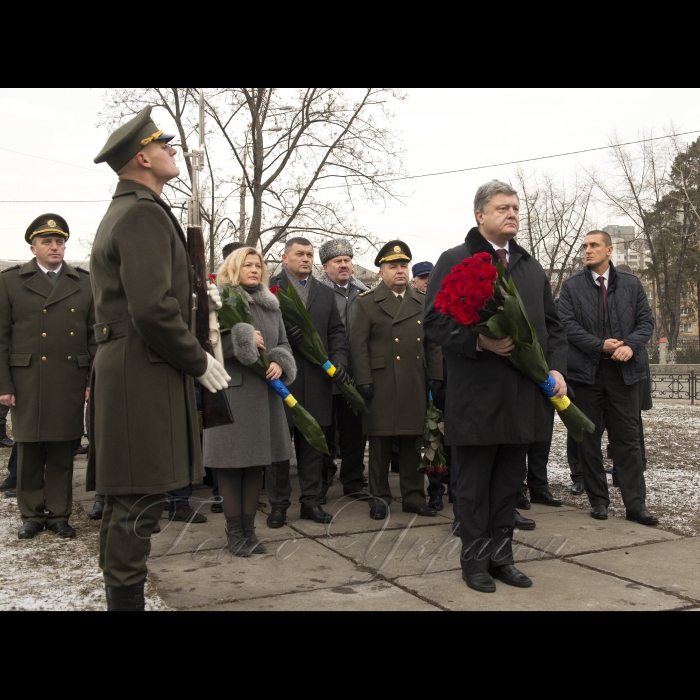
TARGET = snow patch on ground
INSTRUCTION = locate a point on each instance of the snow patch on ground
(48, 573)
(673, 474)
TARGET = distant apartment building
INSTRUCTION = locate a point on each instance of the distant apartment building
(630, 247)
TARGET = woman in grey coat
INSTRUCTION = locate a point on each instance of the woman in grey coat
(260, 436)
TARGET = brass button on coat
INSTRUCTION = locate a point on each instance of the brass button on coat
(46, 311)
(43, 335)
(70, 358)
(43, 359)
(72, 335)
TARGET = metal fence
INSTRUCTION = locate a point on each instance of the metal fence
(681, 387)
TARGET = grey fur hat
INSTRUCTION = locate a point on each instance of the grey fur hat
(335, 249)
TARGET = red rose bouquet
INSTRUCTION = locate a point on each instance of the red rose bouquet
(478, 296)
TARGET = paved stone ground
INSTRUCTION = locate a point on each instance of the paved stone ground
(412, 564)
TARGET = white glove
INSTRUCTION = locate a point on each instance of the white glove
(216, 378)
(215, 302)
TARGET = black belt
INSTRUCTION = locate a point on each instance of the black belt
(106, 332)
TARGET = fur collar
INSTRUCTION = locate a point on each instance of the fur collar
(478, 244)
(262, 298)
(325, 280)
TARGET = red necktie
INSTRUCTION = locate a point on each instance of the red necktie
(601, 281)
(503, 256)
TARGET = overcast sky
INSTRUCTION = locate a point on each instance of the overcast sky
(442, 129)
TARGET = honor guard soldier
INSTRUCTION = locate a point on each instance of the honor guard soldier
(145, 432)
(395, 368)
(46, 349)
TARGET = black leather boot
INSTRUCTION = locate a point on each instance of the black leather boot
(317, 515)
(237, 542)
(131, 599)
(98, 511)
(254, 544)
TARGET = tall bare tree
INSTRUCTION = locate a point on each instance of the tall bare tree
(296, 160)
(556, 219)
(639, 188)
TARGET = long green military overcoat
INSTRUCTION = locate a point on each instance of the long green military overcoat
(388, 349)
(145, 426)
(46, 348)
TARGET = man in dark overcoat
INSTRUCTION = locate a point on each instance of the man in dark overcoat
(493, 412)
(395, 368)
(145, 433)
(46, 348)
(313, 388)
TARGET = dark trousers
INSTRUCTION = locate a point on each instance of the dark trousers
(412, 480)
(348, 427)
(573, 459)
(537, 463)
(125, 538)
(4, 410)
(45, 482)
(180, 498)
(488, 482)
(11, 480)
(623, 407)
(310, 465)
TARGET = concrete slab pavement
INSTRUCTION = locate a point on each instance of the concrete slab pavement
(375, 597)
(672, 566)
(559, 586)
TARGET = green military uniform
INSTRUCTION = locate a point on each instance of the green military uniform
(388, 350)
(46, 349)
(145, 431)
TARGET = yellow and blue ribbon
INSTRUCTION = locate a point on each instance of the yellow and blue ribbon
(330, 369)
(548, 389)
(283, 393)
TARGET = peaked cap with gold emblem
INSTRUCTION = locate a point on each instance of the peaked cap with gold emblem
(47, 225)
(337, 248)
(391, 252)
(130, 139)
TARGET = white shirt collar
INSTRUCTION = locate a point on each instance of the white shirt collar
(606, 277)
(45, 271)
(397, 295)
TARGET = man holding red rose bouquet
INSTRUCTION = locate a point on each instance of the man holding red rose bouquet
(493, 411)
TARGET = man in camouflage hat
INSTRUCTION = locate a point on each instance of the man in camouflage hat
(47, 345)
(346, 428)
(395, 367)
(144, 414)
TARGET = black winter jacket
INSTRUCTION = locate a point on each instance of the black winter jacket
(631, 319)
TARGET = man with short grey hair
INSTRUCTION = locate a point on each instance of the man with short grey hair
(337, 260)
(494, 412)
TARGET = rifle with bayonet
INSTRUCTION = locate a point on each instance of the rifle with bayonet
(216, 411)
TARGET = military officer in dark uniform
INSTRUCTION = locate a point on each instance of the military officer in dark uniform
(145, 432)
(395, 368)
(46, 350)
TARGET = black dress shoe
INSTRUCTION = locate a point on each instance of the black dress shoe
(157, 529)
(599, 513)
(97, 512)
(316, 515)
(423, 511)
(30, 530)
(511, 577)
(63, 530)
(481, 583)
(217, 508)
(7, 487)
(437, 505)
(12, 493)
(545, 498)
(643, 518)
(277, 518)
(524, 524)
(82, 451)
(379, 513)
(578, 489)
(7, 442)
(524, 503)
